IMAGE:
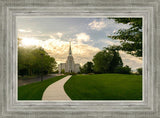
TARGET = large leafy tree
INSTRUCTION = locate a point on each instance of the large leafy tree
(43, 63)
(107, 60)
(130, 39)
(116, 59)
(102, 62)
(87, 68)
(34, 61)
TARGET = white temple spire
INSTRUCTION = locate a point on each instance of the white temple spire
(70, 50)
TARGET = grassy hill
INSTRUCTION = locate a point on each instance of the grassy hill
(104, 87)
(35, 91)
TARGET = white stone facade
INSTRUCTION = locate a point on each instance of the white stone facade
(70, 65)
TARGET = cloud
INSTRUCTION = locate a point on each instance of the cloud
(82, 37)
(123, 26)
(39, 35)
(109, 23)
(59, 50)
(110, 42)
(131, 61)
(97, 25)
(30, 42)
(57, 35)
(23, 30)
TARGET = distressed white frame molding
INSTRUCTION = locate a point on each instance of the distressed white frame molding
(149, 10)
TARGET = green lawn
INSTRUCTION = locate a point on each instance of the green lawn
(104, 87)
(35, 91)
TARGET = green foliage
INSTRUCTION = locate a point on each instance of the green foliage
(62, 71)
(131, 39)
(107, 60)
(87, 68)
(104, 87)
(102, 62)
(70, 73)
(35, 91)
(139, 71)
(55, 71)
(123, 70)
(135, 22)
(33, 61)
(116, 60)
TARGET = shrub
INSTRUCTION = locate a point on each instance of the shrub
(62, 71)
(139, 71)
(90, 73)
(68, 73)
(72, 73)
(123, 70)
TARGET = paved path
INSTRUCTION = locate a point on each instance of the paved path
(56, 90)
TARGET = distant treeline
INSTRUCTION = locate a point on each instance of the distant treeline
(107, 61)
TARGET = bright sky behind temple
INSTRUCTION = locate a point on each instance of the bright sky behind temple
(88, 36)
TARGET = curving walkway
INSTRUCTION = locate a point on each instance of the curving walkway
(56, 90)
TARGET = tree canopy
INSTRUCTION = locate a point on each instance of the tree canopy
(34, 61)
(87, 68)
(130, 39)
(107, 60)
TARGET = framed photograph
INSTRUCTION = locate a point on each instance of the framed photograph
(80, 59)
(91, 57)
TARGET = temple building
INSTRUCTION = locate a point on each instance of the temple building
(70, 66)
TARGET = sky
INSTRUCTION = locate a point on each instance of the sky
(87, 35)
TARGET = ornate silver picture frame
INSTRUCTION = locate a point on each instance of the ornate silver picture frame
(149, 107)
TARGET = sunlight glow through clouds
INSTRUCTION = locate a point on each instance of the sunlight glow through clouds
(30, 42)
(59, 49)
